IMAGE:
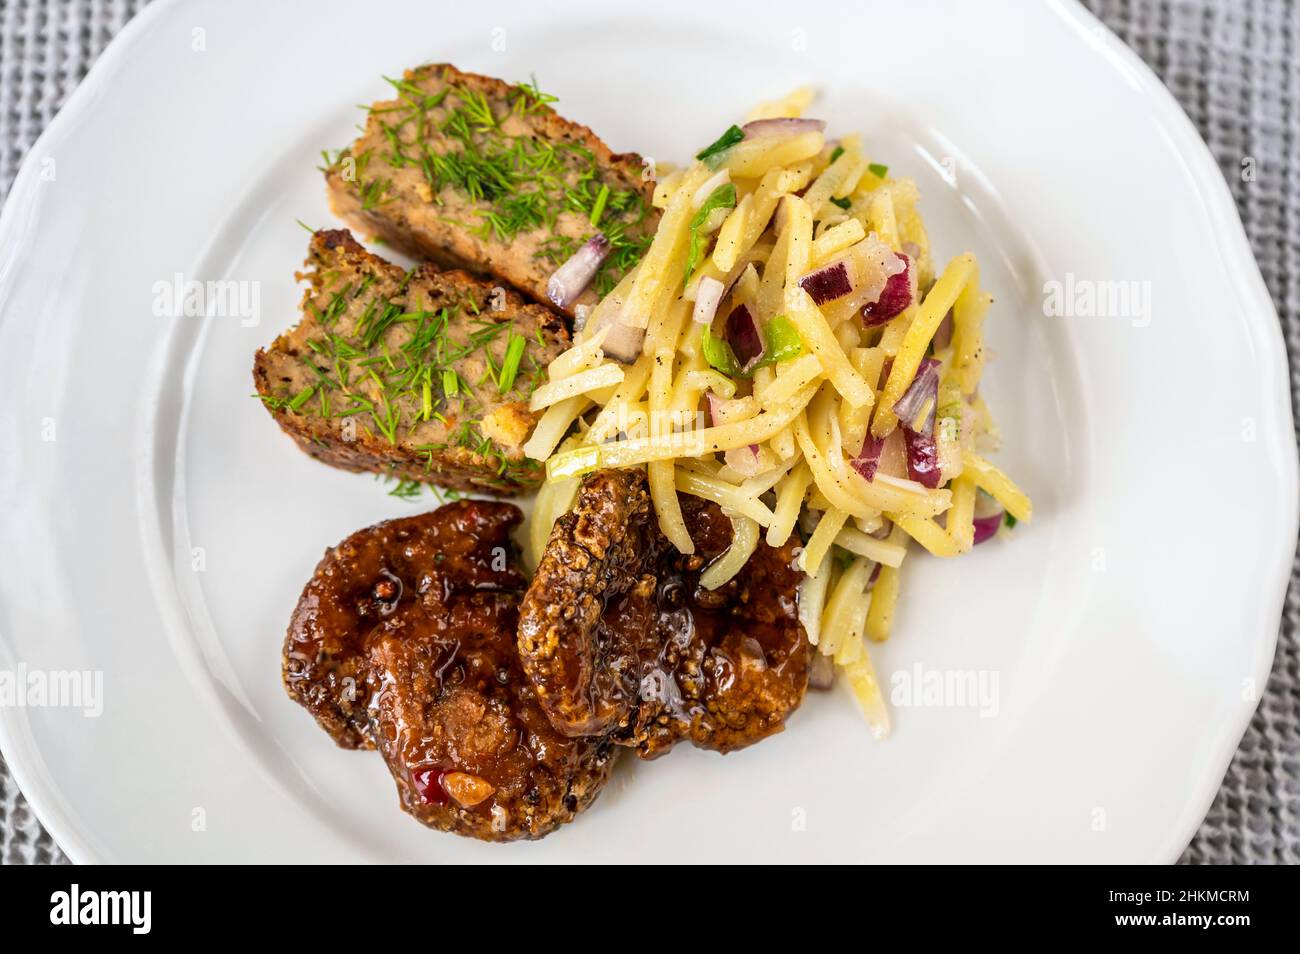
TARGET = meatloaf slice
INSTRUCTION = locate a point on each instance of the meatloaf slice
(421, 375)
(475, 173)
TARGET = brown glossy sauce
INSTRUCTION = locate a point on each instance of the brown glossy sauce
(617, 635)
(404, 640)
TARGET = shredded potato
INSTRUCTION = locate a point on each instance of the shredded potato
(785, 417)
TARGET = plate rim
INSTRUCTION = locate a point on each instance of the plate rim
(1230, 240)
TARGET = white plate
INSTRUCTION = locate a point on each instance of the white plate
(1130, 627)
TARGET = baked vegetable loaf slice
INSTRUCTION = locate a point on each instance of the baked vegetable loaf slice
(422, 375)
(474, 173)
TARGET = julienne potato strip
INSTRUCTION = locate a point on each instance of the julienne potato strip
(774, 415)
(819, 544)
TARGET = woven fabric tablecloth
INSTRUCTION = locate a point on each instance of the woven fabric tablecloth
(1234, 65)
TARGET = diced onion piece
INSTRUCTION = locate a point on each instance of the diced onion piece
(922, 458)
(572, 278)
(746, 338)
(924, 387)
(899, 293)
(868, 458)
(827, 283)
(707, 298)
(784, 126)
(986, 528)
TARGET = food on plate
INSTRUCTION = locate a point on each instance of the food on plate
(618, 633)
(421, 375)
(404, 640)
(788, 350)
(475, 173)
(770, 391)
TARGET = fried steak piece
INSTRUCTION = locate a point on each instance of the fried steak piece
(421, 375)
(404, 640)
(475, 173)
(617, 636)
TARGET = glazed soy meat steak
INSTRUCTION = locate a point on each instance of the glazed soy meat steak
(421, 375)
(420, 615)
(475, 173)
(618, 636)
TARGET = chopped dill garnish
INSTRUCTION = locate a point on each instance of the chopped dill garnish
(510, 364)
(878, 170)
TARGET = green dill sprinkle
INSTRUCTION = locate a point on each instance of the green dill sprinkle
(1010, 521)
(844, 203)
(878, 170)
(598, 209)
(510, 364)
(302, 397)
(836, 153)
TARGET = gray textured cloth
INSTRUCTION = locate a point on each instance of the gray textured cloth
(1235, 68)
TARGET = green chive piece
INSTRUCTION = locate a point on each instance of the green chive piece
(733, 135)
(510, 364)
(301, 397)
(598, 209)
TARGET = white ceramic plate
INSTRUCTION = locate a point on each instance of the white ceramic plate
(157, 526)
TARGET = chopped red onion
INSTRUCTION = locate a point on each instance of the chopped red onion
(875, 575)
(623, 342)
(924, 387)
(746, 339)
(922, 458)
(827, 283)
(572, 278)
(821, 672)
(868, 458)
(893, 301)
(715, 404)
(986, 528)
(707, 298)
(782, 127)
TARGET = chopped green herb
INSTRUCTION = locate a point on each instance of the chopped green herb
(733, 135)
(845, 203)
(837, 152)
(1009, 520)
(598, 209)
(407, 489)
(783, 341)
(302, 397)
(510, 363)
(723, 197)
(878, 170)
(718, 353)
